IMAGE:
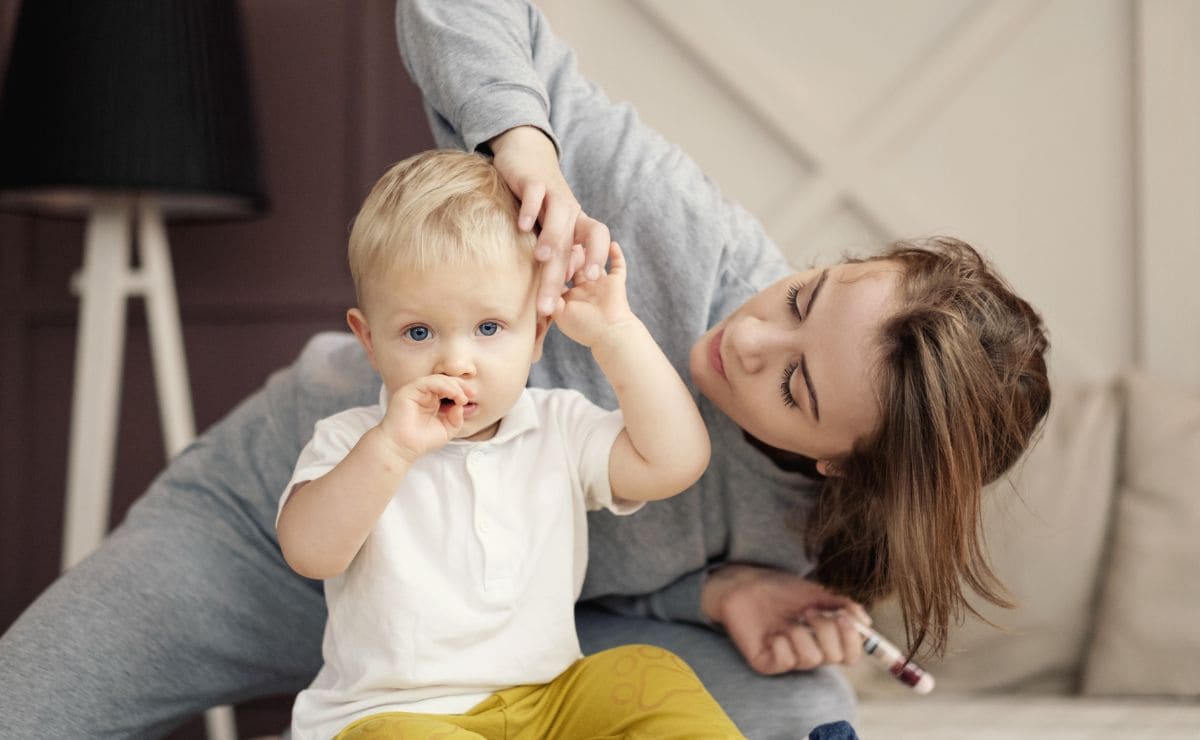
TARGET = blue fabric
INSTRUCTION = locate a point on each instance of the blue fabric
(840, 730)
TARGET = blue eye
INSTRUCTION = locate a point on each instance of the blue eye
(417, 333)
(489, 328)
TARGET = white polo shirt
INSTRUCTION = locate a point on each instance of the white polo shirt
(468, 581)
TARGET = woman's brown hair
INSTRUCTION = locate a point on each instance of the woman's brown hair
(963, 386)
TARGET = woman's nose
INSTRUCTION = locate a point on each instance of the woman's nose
(755, 341)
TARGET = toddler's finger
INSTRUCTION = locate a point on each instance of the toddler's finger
(594, 237)
(616, 260)
(453, 417)
(445, 386)
(575, 263)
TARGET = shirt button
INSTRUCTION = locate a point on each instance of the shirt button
(485, 525)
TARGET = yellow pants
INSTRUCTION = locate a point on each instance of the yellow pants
(632, 691)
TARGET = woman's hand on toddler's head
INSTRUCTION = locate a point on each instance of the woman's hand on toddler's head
(594, 310)
(571, 244)
(425, 414)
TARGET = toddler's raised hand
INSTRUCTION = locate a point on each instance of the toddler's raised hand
(592, 308)
(425, 414)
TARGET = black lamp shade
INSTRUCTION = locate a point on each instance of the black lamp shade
(121, 97)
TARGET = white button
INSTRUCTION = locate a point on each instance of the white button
(485, 525)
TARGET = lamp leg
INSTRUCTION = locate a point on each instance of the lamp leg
(220, 723)
(166, 336)
(170, 374)
(103, 286)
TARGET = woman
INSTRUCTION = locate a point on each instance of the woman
(189, 602)
(907, 381)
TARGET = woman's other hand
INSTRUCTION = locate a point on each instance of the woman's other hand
(571, 244)
(781, 622)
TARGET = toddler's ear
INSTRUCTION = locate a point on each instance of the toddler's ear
(539, 337)
(357, 321)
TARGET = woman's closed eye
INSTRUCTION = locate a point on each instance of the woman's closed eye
(793, 293)
(785, 382)
(785, 385)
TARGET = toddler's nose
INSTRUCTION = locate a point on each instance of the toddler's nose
(455, 360)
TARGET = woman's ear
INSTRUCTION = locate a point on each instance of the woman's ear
(357, 320)
(539, 337)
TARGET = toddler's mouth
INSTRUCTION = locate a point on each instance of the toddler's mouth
(469, 408)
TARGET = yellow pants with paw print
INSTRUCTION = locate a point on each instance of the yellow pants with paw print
(633, 691)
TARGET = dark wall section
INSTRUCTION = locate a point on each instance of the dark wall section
(334, 108)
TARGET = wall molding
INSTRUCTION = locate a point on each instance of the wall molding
(845, 169)
(1167, 188)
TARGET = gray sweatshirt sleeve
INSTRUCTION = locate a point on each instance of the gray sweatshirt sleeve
(472, 61)
(486, 66)
(678, 602)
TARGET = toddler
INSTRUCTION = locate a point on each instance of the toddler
(449, 521)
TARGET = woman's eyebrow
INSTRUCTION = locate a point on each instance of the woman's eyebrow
(816, 289)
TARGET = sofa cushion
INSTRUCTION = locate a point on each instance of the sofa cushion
(1028, 718)
(1045, 526)
(1146, 639)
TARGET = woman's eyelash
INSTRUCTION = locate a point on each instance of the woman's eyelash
(785, 385)
(792, 294)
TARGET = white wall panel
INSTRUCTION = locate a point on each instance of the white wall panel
(1032, 162)
(1169, 187)
(842, 124)
(633, 60)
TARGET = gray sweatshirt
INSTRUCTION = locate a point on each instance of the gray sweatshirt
(487, 66)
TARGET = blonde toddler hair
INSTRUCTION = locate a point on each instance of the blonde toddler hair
(440, 208)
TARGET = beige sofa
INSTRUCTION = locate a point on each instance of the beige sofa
(1097, 536)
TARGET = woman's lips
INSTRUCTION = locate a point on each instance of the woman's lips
(714, 354)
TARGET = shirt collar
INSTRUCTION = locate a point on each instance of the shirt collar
(521, 418)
